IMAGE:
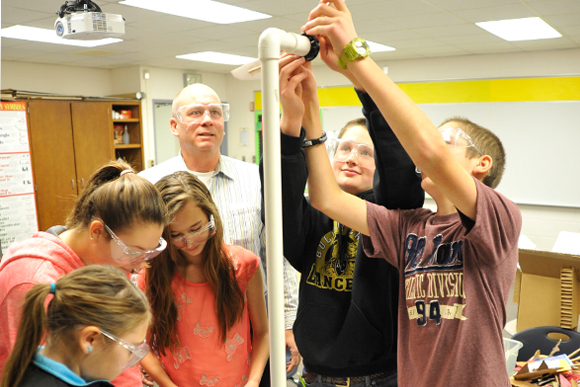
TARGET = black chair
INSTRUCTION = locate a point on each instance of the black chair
(537, 338)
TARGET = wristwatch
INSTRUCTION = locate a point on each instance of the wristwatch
(356, 49)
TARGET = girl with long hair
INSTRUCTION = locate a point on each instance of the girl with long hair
(204, 295)
(117, 220)
(95, 327)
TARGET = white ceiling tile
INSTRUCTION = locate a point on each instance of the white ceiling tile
(426, 20)
(512, 11)
(555, 7)
(21, 16)
(416, 28)
(393, 8)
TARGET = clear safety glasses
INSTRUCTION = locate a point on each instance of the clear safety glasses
(196, 237)
(342, 150)
(196, 112)
(456, 138)
(123, 254)
(138, 352)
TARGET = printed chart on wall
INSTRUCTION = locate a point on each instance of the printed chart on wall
(17, 202)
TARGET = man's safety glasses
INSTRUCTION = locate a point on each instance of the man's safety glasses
(196, 237)
(123, 254)
(196, 112)
(138, 352)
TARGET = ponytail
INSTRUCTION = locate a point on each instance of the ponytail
(95, 295)
(119, 197)
(33, 324)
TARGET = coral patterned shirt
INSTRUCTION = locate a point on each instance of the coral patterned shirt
(202, 359)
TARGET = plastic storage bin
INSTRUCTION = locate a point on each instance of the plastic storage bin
(511, 348)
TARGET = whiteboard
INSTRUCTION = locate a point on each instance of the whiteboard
(541, 139)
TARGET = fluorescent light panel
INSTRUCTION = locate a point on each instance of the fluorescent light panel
(378, 47)
(513, 30)
(43, 35)
(217, 57)
(204, 10)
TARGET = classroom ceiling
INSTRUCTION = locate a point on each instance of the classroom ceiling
(416, 28)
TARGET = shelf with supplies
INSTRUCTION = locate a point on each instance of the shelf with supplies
(128, 132)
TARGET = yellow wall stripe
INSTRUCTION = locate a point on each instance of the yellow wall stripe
(491, 90)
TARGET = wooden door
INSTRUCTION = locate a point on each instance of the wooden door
(93, 139)
(53, 160)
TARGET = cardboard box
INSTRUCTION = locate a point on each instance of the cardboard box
(538, 289)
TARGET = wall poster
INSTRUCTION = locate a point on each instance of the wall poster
(17, 201)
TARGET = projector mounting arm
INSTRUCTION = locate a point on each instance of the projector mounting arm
(75, 6)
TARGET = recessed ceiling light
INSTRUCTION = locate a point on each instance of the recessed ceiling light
(217, 57)
(512, 30)
(378, 47)
(205, 10)
(44, 35)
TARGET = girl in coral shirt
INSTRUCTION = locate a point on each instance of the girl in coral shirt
(204, 295)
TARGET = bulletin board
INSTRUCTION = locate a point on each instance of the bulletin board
(537, 119)
(17, 199)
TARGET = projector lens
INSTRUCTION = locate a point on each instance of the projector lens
(59, 29)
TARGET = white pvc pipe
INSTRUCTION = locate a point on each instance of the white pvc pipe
(271, 42)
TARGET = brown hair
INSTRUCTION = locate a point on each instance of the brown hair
(488, 143)
(120, 200)
(177, 190)
(95, 295)
(352, 123)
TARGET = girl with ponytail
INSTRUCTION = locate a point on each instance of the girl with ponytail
(117, 220)
(95, 327)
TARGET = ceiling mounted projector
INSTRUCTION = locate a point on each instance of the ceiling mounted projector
(83, 19)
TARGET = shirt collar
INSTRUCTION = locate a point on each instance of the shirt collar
(59, 370)
(224, 166)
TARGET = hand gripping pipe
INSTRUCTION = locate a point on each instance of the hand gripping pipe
(271, 42)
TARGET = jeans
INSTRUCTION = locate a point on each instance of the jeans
(389, 381)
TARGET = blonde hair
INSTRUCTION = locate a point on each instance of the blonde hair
(95, 295)
(362, 122)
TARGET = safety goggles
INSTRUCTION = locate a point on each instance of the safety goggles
(195, 112)
(341, 150)
(456, 138)
(138, 352)
(123, 254)
(196, 237)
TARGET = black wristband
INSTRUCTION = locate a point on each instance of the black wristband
(307, 143)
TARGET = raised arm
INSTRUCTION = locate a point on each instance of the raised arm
(396, 184)
(415, 131)
(323, 190)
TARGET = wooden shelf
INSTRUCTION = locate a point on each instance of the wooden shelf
(125, 120)
(127, 146)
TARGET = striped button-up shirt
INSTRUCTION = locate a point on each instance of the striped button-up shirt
(235, 189)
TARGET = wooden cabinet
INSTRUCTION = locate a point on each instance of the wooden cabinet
(69, 140)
